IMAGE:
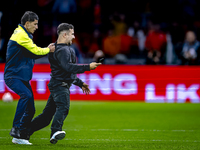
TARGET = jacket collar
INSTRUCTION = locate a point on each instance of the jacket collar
(60, 44)
(30, 35)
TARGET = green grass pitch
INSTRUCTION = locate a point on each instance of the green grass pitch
(115, 126)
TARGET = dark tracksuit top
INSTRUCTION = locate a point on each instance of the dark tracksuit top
(63, 65)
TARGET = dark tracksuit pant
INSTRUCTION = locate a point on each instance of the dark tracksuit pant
(25, 107)
(57, 105)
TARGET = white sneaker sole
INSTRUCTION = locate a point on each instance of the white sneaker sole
(21, 141)
(59, 135)
(14, 141)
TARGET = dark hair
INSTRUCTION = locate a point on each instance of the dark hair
(29, 16)
(64, 26)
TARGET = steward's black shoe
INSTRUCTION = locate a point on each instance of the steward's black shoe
(15, 132)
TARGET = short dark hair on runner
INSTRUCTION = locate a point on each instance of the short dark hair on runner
(64, 26)
(29, 16)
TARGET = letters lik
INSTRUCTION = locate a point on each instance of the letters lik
(179, 94)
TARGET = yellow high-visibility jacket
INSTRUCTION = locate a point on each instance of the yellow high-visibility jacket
(21, 54)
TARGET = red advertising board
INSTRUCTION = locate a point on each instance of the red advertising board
(170, 84)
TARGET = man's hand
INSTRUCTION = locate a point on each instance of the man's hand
(51, 47)
(86, 89)
(93, 65)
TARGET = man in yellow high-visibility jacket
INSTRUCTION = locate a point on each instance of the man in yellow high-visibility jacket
(20, 58)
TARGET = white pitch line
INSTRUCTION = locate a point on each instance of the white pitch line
(117, 140)
(143, 140)
(128, 130)
(143, 130)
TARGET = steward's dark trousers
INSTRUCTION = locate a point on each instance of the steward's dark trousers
(57, 105)
(25, 107)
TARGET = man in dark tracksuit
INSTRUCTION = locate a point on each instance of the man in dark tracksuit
(20, 58)
(63, 75)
